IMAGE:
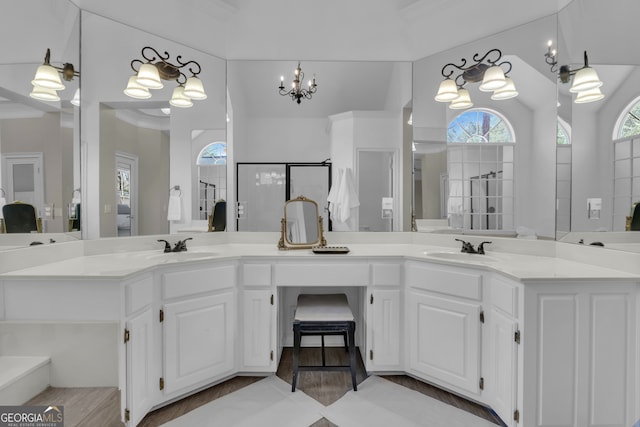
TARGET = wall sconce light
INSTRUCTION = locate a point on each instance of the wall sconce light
(297, 92)
(47, 82)
(486, 70)
(149, 75)
(586, 83)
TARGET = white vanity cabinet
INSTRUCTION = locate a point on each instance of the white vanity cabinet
(580, 345)
(501, 344)
(198, 316)
(444, 306)
(257, 318)
(138, 339)
(384, 340)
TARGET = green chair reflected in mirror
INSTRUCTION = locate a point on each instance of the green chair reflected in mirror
(21, 217)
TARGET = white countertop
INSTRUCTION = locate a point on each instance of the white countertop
(124, 257)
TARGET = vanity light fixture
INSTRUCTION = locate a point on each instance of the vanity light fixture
(586, 83)
(486, 69)
(297, 92)
(149, 75)
(47, 82)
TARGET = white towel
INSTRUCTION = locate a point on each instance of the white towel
(343, 196)
(332, 198)
(3, 202)
(347, 195)
(174, 210)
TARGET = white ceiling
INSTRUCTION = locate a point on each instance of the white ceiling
(381, 30)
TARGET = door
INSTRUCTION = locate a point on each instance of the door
(257, 327)
(384, 332)
(126, 194)
(198, 340)
(503, 369)
(376, 190)
(263, 189)
(23, 179)
(313, 182)
(140, 381)
(445, 344)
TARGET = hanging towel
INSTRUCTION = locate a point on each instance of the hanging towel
(3, 202)
(347, 195)
(174, 211)
(343, 196)
(332, 198)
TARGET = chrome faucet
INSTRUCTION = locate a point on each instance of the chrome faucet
(469, 249)
(481, 247)
(181, 245)
(167, 246)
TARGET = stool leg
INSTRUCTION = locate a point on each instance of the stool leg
(352, 356)
(324, 363)
(296, 356)
(346, 342)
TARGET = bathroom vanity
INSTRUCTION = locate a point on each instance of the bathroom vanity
(544, 333)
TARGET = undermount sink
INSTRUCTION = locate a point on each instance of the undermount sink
(181, 256)
(462, 256)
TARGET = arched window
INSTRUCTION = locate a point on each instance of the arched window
(480, 171)
(212, 179)
(629, 121)
(626, 161)
(563, 136)
(479, 125)
(213, 154)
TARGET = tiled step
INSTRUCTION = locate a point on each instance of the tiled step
(22, 377)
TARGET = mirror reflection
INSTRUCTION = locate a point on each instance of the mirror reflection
(603, 135)
(477, 169)
(39, 134)
(301, 226)
(357, 109)
(149, 152)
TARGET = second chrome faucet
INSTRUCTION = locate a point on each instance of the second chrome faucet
(468, 248)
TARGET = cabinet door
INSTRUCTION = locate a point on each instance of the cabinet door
(257, 330)
(501, 381)
(444, 339)
(384, 330)
(141, 383)
(198, 340)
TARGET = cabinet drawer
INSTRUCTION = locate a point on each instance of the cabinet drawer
(321, 274)
(448, 281)
(189, 282)
(385, 274)
(256, 274)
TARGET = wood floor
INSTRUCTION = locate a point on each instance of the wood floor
(101, 407)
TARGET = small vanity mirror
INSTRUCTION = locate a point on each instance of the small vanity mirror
(301, 227)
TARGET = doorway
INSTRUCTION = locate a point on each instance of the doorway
(23, 178)
(376, 190)
(126, 194)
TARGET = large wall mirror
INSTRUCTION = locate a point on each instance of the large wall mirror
(142, 155)
(39, 140)
(488, 169)
(354, 119)
(604, 173)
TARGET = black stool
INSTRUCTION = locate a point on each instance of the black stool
(323, 315)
